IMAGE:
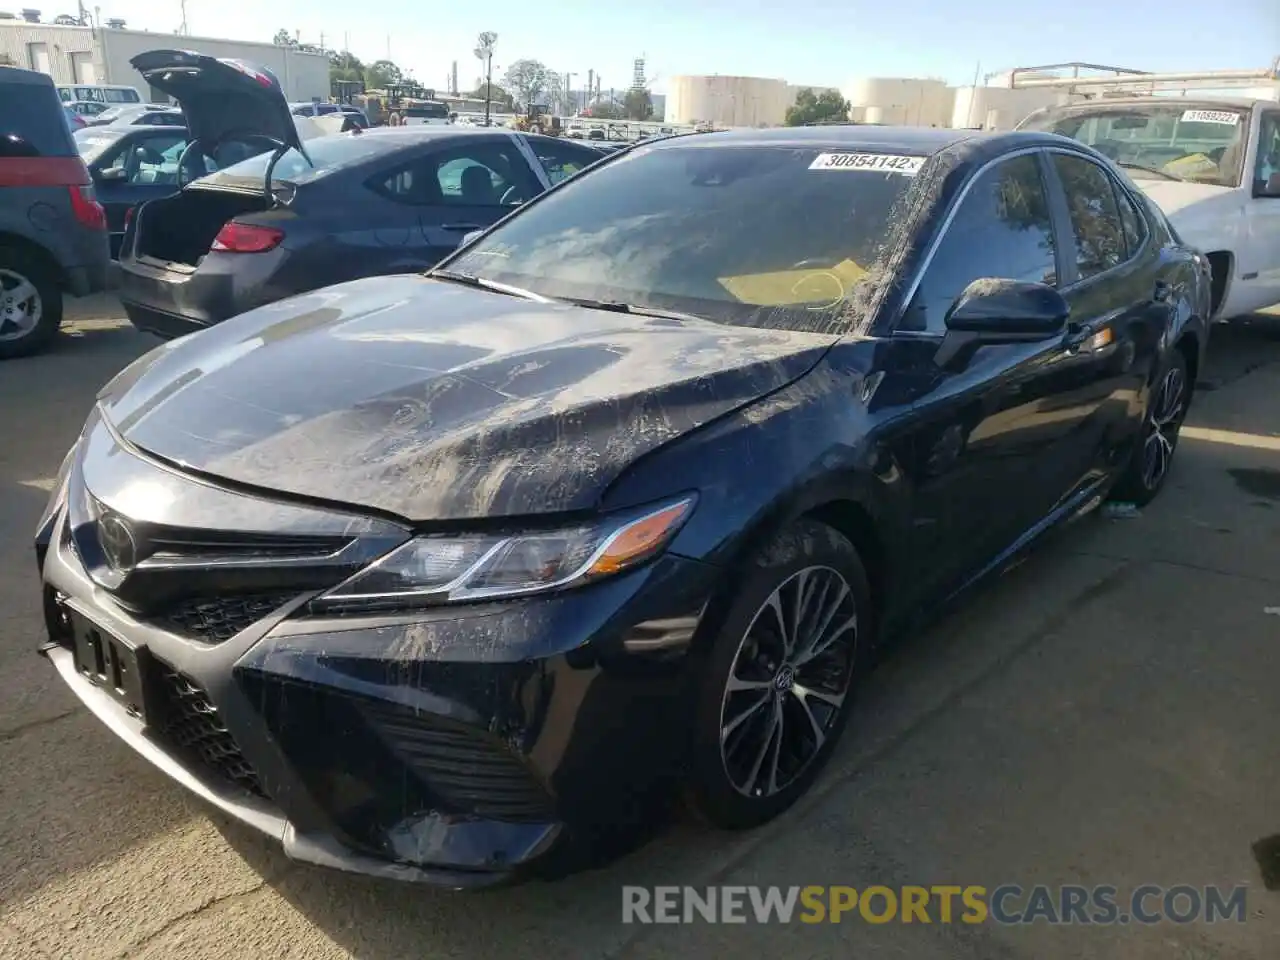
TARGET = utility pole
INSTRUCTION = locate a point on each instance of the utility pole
(484, 51)
(183, 29)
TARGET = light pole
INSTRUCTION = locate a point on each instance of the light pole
(484, 51)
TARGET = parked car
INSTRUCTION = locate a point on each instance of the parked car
(383, 201)
(1212, 165)
(359, 117)
(108, 94)
(437, 577)
(74, 120)
(53, 238)
(431, 113)
(145, 114)
(88, 109)
(130, 165)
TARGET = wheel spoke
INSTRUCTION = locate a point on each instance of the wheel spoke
(771, 734)
(821, 644)
(23, 292)
(801, 696)
(804, 693)
(761, 699)
(738, 684)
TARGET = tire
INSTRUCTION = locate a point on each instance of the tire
(20, 335)
(1158, 438)
(807, 556)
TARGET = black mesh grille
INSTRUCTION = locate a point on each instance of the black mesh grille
(190, 723)
(214, 620)
(464, 769)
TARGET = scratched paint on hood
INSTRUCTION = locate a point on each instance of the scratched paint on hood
(433, 401)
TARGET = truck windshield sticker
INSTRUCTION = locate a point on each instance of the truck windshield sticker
(1211, 116)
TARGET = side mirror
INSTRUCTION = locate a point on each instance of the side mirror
(992, 311)
(113, 174)
(1271, 188)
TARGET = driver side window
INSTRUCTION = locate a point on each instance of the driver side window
(1267, 164)
(1002, 228)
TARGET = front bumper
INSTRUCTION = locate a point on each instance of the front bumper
(460, 747)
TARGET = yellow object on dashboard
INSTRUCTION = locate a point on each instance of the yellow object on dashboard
(807, 285)
(1190, 165)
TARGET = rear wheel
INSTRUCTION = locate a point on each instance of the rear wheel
(30, 304)
(776, 687)
(1155, 446)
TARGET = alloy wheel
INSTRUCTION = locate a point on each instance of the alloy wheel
(1162, 427)
(788, 681)
(20, 305)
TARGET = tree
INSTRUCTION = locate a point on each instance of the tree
(284, 38)
(496, 94)
(638, 105)
(380, 73)
(828, 105)
(526, 80)
(343, 65)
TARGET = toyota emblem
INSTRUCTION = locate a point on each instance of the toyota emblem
(118, 546)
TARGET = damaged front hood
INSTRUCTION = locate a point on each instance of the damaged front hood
(433, 401)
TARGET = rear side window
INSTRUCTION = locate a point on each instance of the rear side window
(121, 96)
(1002, 228)
(1095, 218)
(478, 175)
(32, 122)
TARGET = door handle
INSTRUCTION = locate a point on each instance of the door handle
(1161, 292)
(461, 227)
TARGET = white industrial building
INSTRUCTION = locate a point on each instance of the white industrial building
(759, 102)
(87, 55)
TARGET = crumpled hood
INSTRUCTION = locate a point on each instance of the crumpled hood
(1173, 196)
(434, 401)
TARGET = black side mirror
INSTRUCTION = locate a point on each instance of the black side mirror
(1269, 188)
(991, 311)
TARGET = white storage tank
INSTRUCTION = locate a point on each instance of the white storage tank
(900, 100)
(727, 101)
(1000, 108)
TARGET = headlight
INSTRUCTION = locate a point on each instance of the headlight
(450, 568)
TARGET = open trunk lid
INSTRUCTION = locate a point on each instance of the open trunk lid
(222, 98)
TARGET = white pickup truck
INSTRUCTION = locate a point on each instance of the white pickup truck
(1213, 167)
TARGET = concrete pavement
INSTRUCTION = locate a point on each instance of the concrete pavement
(1106, 713)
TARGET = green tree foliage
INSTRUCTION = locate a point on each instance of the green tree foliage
(810, 108)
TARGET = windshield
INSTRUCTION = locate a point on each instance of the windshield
(93, 142)
(429, 111)
(1205, 145)
(327, 153)
(777, 237)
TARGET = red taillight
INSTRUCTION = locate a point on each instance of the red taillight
(246, 238)
(86, 208)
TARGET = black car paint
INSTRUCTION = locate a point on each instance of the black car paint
(336, 229)
(118, 197)
(585, 692)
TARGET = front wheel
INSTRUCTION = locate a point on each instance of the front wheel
(1153, 451)
(776, 687)
(30, 304)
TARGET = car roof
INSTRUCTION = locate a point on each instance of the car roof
(19, 75)
(910, 141)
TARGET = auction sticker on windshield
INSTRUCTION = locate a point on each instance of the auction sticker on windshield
(1211, 116)
(885, 162)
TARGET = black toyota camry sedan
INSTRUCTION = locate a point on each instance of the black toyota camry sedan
(439, 576)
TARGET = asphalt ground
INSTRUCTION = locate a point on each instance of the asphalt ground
(1105, 714)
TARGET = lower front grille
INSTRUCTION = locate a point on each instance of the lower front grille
(214, 620)
(465, 770)
(190, 723)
